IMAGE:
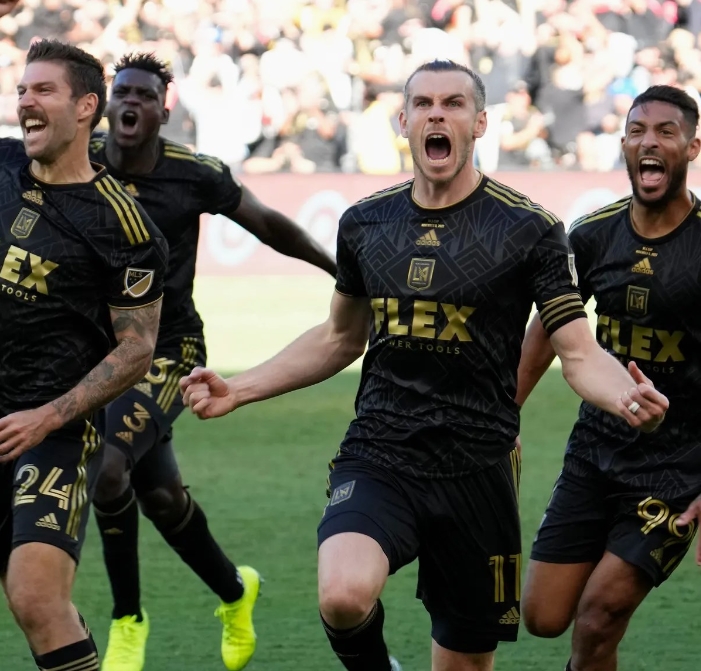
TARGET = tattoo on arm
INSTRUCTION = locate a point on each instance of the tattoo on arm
(135, 331)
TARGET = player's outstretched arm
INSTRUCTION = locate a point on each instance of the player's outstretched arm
(315, 356)
(280, 233)
(537, 354)
(135, 331)
(600, 379)
(690, 516)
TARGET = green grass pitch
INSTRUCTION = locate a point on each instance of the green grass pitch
(260, 476)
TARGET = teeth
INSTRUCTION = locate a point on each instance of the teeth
(436, 136)
(650, 161)
(31, 123)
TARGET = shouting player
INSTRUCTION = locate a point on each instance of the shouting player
(81, 275)
(176, 187)
(612, 530)
(442, 271)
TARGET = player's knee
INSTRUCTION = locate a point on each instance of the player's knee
(33, 611)
(114, 476)
(164, 506)
(544, 624)
(345, 604)
(599, 620)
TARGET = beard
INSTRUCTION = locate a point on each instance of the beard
(677, 182)
(416, 155)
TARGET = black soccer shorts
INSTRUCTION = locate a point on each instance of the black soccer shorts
(45, 494)
(589, 514)
(139, 423)
(464, 531)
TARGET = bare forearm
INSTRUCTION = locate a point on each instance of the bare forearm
(315, 356)
(291, 240)
(598, 378)
(118, 371)
(537, 353)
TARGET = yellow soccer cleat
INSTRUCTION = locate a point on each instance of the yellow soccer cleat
(238, 642)
(126, 646)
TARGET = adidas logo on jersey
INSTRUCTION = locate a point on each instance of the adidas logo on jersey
(131, 190)
(512, 617)
(657, 555)
(126, 436)
(49, 521)
(34, 196)
(643, 267)
(144, 388)
(429, 239)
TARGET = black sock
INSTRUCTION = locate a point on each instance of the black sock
(118, 522)
(569, 666)
(80, 656)
(192, 540)
(363, 647)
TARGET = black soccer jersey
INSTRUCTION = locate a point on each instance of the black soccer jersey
(67, 253)
(647, 295)
(451, 291)
(181, 187)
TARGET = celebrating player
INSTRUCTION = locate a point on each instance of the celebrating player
(612, 531)
(81, 276)
(442, 271)
(175, 186)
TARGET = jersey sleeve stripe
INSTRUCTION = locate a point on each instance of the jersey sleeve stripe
(524, 200)
(560, 320)
(600, 214)
(559, 299)
(499, 196)
(551, 316)
(120, 214)
(130, 206)
(135, 307)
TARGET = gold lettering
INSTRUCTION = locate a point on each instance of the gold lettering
(11, 265)
(393, 325)
(670, 346)
(604, 331)
(615, 338)
(40, 269)
(456, 323)
(640, 342)
(424, 318)
(378, 307)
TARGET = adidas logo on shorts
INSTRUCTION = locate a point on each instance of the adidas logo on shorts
(512, 617)
(49, 521)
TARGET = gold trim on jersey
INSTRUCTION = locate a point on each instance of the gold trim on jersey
(515, 458)
(559, 308)
(124, 207)
(135, 307)
(515, 199)
(79, 492)
(181, 152)
(443, 207)
(602, 213)
(389, 191)
(171, 387)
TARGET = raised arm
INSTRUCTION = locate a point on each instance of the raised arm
(135, 331)
(280, 233)
(315, 356)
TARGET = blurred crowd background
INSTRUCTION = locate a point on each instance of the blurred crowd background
(316, 85)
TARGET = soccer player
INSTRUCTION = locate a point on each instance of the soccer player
(442, 271)
(612, 530)
(175, 186)
(81, 276)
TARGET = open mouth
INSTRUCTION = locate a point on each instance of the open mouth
(129, 119)
(34, 126)
(652, 171)
(437, 148)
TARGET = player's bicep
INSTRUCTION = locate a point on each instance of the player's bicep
(349, 320)
(138, 326)
(252, 215)
(573, 340)
(553, 280)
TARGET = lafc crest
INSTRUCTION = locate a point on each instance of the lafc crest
(420, 274)
(24, 223)
(137, 282)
